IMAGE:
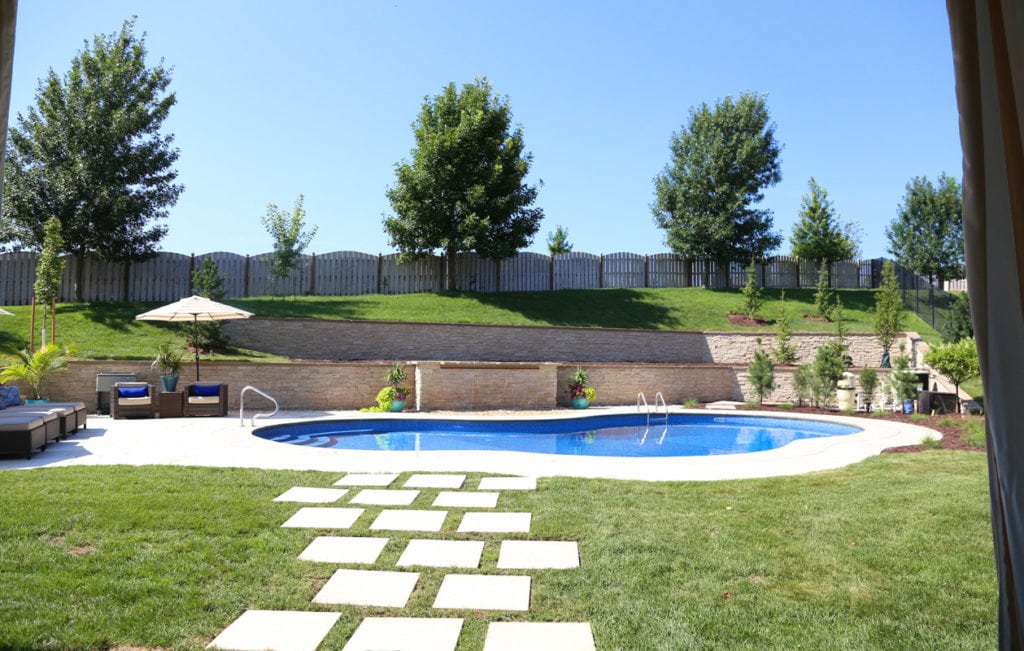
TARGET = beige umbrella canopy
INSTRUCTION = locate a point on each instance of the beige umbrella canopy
(4, 312)
(194, 309)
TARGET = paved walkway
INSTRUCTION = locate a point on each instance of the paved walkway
(371, 497)
(223, 442)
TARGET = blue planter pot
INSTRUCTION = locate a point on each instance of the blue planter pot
(169, 382)
(397, 405)
(580, 403)
(908, 406)
(36, 401)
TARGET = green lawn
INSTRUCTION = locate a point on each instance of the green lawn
(109, 330)
(893, 552)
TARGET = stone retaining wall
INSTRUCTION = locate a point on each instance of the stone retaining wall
(438, 386)
(382, 340)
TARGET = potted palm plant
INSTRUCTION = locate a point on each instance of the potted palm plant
(34, 369)
(168, 360)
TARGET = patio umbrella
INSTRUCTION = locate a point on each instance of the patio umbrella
(194, 309)
(4, 312)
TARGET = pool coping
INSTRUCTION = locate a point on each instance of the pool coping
(222, 442)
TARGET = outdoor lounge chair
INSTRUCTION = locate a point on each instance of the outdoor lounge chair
(132, 400)
(206, 399)
(70, 415)
(20, 433)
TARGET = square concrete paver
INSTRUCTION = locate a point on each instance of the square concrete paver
(482, 592)
(474, 522)
(457, 499)
(508, 483)
(539, 636)
(385, 497)
(409, 520)
(435, 481)
(277, 630)
(405, 634)
(311, 495)
(442, 553)
(324, 517)
(366, 479)
(342, 549)
(538, 555)
(368, 588)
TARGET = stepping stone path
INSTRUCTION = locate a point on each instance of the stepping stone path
(385, 588)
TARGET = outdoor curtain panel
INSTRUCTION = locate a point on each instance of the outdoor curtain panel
(988, 54)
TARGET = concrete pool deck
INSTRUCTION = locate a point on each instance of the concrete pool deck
(223, 442)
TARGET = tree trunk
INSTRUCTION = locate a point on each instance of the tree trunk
(450, 256)
(79, 274)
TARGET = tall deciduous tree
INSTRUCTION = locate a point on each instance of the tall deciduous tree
(818, 234)
(465, 188)
(706, 198)
(91, 153)
(289, 238)
(927, 235)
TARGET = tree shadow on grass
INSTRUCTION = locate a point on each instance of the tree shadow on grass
(319, 307)
(606, 308)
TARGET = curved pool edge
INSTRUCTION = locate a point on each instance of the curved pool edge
(798, 457)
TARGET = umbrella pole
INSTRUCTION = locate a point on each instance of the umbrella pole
(195, 342)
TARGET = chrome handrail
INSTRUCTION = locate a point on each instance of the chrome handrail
(241, 406)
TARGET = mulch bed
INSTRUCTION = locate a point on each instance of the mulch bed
(745, 321)
(953, 436)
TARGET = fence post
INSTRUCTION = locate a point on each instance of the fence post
(245, 278)
(497, 276)
(687, 273)
(797, 272)
(380, 272)
(551, 272)
(600, 271)
(312, 274)
(647, 271)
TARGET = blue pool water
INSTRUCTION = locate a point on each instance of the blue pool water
(623, 435)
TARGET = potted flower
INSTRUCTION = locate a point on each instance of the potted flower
(168, 360)
(393, 396)
(579, 392)
(34, 369)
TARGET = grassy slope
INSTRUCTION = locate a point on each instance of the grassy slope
(894, 552)
(109, 331)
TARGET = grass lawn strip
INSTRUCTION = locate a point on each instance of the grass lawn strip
(893, 552)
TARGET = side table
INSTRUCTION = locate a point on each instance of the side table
(172, 404)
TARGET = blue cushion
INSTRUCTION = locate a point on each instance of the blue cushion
(9, 397)
(132, 392)
(207, 390)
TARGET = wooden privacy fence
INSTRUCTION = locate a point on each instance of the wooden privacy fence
(167, 276)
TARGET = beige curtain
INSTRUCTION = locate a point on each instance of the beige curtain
(988, 54)
(8, 13)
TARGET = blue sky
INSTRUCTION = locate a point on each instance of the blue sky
(318, 99)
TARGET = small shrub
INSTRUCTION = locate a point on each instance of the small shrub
(974, 430)
(932, 443)
(868, 385)
(753, 295)
(784, 352)
(761, 374)
(692, 403)
(828, 369)
(803, 383)
(918, 417)
(824, 296)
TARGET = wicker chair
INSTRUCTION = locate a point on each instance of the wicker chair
(143, 406)
(206, 399)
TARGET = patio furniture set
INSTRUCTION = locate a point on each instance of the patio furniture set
(138, 400)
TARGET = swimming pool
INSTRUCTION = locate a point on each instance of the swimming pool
(615, 435)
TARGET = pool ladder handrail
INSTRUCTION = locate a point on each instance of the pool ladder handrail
(659, 399)
(241, 406)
